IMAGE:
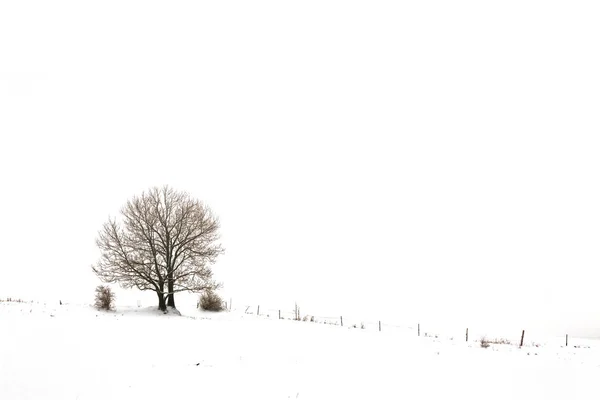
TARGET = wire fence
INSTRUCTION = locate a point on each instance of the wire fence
(518, 338)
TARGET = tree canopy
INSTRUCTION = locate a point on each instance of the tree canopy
(165, 241)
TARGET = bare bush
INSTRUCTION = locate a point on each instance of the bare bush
(105, 298)
(210, 301)
(484, 343)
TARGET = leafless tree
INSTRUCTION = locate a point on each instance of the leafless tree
(166, 242)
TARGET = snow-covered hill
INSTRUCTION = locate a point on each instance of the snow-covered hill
(75, 352)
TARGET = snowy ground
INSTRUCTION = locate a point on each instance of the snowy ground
(75, 352)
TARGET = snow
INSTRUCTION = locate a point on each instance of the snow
(76, 352)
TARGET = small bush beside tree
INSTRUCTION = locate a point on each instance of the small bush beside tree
(105, 298)
(211, 301)
(484, 342)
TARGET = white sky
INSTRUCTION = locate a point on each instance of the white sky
(411, 160)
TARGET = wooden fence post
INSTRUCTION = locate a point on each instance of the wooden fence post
(419, 329)
(567, 340)
(258, 310)
(279, 314)
(379, 326)
(522, 337)
(467, 334)
(341, 321)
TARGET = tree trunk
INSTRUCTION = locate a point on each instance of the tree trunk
(162, 306)
(161, 297)
(171, 295)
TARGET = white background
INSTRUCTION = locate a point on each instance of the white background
(431, 161)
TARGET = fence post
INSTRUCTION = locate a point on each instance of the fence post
(279, 314)
(379, 326)
(258, 310)
(419, 329)
(341, 321)
(522, 337)
(567, 340)
(467, 334)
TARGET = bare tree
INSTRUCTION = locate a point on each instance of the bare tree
(166, 242)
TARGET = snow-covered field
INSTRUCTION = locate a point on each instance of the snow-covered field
(75, 352)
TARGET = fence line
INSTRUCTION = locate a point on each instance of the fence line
(382, 326)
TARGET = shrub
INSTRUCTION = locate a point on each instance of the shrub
(105, 298)
(210, 301)
(484, 342)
